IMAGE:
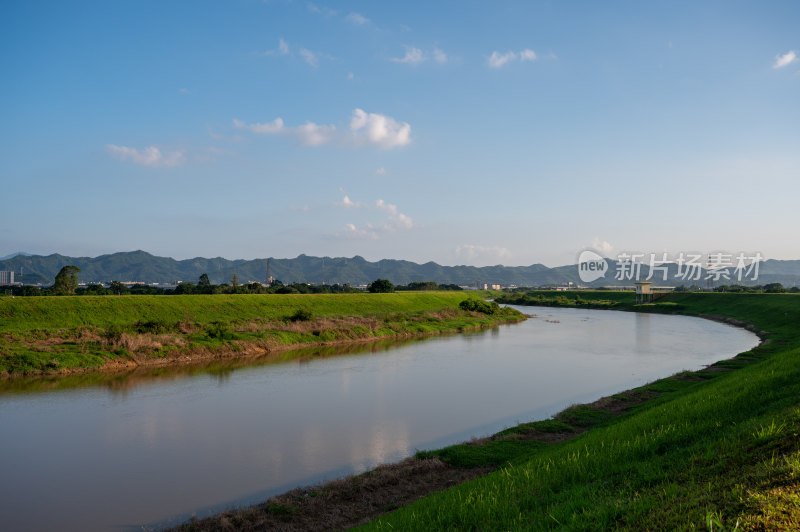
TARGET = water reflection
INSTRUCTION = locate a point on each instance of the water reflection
(124, 382)
(642, 329)
(103, 450)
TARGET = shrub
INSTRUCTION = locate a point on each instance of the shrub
(479, 305)
(152, 326)
(301, 314)
(218, 330)
(113, 334)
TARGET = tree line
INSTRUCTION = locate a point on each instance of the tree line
(66, 283)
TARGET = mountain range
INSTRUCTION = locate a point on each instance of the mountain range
(140, 266)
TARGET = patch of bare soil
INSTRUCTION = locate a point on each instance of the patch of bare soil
(691, 377)
(619, 403)
(544, 437)
(738, 323)
(715, 369)
(343, 503)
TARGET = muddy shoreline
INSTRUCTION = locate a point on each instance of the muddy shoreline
(239, 350)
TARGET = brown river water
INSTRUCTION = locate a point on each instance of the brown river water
(151, 448)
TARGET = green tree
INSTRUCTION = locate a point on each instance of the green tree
(66, 281)
(117, 288)
(381, 286)
(95, 289)
(774, 288)
(204, 280)
(30, 291)
(184, 288)
(235, 283)
(255, 288)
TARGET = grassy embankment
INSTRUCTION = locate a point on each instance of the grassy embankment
(63, 334)
(715, 449)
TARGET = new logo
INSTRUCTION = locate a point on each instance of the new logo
(591, 266)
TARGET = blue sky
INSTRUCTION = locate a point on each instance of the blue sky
(459, 132)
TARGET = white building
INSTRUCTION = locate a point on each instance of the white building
(6, 277)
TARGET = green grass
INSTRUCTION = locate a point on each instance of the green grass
(493, 453)
(55, 313)
(712, 451)
(50, 334)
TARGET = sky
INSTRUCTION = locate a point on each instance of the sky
(458, 132)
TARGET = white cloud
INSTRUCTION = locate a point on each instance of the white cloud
(347, 203)
(388, 207)
(351, 231)
(380, 171)
(785, 60)
(381, 130)
(472, 253)
(350, 76)
(356, 18)
(413, 56)
(150, 156)
(283, 48)
(601, 246)
(309, 134)
(403, 222)
(322, 10)
(310, 57)
(397, 220)
(276, 126)
(394, 220)
(365, 129)
(497, 59)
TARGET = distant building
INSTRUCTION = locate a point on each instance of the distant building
(646, 292)
(6, 277)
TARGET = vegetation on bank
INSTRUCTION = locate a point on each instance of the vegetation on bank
(66, 283)
(548, 298)
(56, 334)
(714, 449)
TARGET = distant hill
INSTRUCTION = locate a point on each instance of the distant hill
(143, 267)
(15, 254)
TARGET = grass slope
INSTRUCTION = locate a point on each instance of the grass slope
(54, 313)
(716, 449)
(50, 334)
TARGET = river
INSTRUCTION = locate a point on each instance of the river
(152, 448)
